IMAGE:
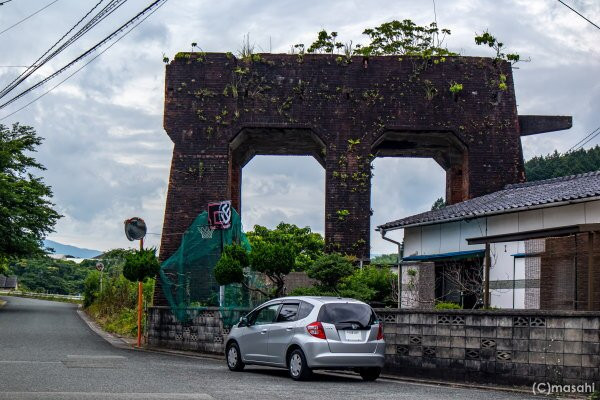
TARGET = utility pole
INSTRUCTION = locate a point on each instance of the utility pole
(140, 299)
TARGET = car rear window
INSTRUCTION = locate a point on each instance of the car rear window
(347, 313)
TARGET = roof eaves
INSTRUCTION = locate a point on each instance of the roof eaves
(489, 213)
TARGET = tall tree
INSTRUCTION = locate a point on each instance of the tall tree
(557, 164)
(26, 213)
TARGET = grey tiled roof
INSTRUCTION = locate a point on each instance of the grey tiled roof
(11, 282)
(8, 282)
(515, 196)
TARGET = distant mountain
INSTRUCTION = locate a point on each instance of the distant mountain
(65, 249)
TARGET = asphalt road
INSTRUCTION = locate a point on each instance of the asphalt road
(48, 352)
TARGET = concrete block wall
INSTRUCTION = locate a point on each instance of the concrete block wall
(515, 348)
(204, 332)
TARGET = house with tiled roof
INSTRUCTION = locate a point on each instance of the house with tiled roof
(8, 282)
(530, 245)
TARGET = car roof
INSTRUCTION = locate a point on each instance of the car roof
(318, 299)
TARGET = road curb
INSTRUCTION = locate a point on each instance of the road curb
(110, 338)
(183, 353)
(123, 343)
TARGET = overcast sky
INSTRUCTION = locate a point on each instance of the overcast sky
(107, 155)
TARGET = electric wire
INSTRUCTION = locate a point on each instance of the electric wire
(156, 5)
(578, 13)
(4, 2)
(91, 50)
(51, 47)
(579, 142)
(112, 6)
(597, 132)
(26, 18)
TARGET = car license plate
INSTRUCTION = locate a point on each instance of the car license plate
(353, 336)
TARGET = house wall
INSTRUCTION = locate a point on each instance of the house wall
(506, 271)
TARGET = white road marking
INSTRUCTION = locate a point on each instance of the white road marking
(28, 362)
(101, 396)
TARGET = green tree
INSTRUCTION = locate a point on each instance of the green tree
(385, 259)
(140, 265)
(273, 259)
(230, 267)
(556, 164)
(369, 284)
(438, 204)
(305, 244)
(330, 269)
(91, 288)
(405, 38)
(26, 214)
(48, 275)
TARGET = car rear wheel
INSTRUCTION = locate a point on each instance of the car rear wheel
(234, 357)
(370, 374)
(297, 366)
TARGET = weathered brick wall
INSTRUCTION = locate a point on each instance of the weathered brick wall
(219, 111)
(516, 347)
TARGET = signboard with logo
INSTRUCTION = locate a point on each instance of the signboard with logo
(219, 214)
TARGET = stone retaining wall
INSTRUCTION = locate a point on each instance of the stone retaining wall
(508, 347)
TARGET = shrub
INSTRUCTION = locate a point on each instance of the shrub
(447, 305)
(140, 265)
(330, 269)
(369, 284)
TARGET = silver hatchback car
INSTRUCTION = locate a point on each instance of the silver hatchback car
(305, 333)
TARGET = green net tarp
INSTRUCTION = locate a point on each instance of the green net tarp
(187, 276)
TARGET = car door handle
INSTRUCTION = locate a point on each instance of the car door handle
(263, 331)
(288, 329)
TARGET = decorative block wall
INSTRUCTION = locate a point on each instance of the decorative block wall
(204, 332)
(519, 347)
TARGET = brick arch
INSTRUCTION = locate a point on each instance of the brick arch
(213, 98)
(444, 146)
(254, 140)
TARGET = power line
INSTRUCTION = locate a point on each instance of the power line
(595, 133)
(4, 2)
(99, 44)
(587, 136)
(578, 13)
(26, 18)
(54, 45)
(37, 64)
(156, 5)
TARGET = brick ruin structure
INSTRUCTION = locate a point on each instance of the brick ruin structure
(220, 111)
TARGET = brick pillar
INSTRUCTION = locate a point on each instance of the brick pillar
(348, 201)
(235, 184)
(457, 182)
(195, 181)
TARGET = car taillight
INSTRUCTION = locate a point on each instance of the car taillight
(316, 329)
(380, 332)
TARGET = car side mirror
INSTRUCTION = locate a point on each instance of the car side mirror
(243, 322)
